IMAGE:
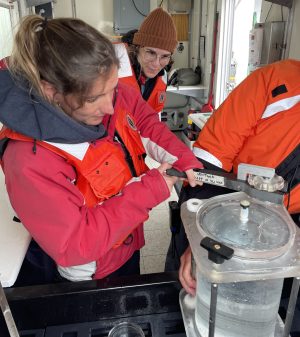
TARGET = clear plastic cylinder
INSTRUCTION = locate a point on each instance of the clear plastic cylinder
(245, 309)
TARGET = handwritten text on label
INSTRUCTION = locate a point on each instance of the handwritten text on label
(210, 179)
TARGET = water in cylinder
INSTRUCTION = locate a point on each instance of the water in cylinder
(250, 308)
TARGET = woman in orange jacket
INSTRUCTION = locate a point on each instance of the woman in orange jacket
(257, 124)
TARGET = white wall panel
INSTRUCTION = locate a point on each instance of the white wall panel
(295, 45)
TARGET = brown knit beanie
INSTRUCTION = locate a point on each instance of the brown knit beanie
(158, 31)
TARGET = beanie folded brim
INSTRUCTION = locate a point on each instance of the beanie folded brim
(147, 40)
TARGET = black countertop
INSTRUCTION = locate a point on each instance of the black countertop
(92, 308)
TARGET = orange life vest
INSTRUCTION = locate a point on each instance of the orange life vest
(103, 170)
(157, 98)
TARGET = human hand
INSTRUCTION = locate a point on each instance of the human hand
(185, 272)
(170, 180)
(188, 175)
(191, 178)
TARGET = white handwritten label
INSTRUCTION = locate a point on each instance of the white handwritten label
(210, 179)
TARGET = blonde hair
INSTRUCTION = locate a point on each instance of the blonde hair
(66, 52)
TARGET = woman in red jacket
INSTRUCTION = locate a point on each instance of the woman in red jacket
(72, 149)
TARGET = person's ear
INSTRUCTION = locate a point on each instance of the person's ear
(48, 90)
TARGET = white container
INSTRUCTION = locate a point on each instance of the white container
(126, 329)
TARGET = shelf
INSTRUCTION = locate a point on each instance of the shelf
(200, 118)
(196, 91)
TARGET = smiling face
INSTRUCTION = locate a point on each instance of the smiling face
(153, 60)
(97, 104)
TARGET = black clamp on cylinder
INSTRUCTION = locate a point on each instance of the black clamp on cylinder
(175, 220)
(217, 251)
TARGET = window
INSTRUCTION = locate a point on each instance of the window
(9, 16)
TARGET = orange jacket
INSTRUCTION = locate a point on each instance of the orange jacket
(258, 124)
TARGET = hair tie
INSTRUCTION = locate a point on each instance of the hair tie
(42, 25)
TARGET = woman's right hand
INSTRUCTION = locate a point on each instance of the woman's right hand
(170, 180)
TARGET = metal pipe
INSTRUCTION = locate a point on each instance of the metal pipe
(4, 5)
(213, 309)
(288, 32)
(11, 325)
(291, 307)
(74, 14)
(193, 267)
